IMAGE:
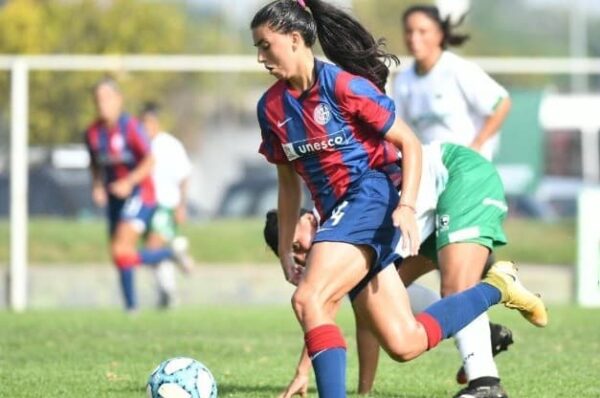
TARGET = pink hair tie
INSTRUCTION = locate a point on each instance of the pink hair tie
(302, 3)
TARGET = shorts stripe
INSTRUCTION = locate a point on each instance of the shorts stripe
(464, 234)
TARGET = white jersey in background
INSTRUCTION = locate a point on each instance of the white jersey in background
(171, 167)
(450, 103)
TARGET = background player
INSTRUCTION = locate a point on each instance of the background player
(171, 173)
(121, 164)
(446, 98)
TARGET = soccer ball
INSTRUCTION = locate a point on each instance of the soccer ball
(181, 378)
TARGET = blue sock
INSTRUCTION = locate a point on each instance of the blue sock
(155, 256)
(327, 351)
(446, 317)
(128, 287)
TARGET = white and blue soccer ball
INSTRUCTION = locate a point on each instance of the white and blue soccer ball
(181, 378)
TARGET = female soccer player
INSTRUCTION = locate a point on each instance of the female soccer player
(455, 181)
(121, 164)
(331, 125)
(445, 98)
(442, 96)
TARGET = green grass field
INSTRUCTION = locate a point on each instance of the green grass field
(240, 241)
(252, 352)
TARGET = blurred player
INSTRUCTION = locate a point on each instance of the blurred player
(442, 96)
(455, 181)
(332, 126)
(171, 173)
(445, 98)
(121, 165)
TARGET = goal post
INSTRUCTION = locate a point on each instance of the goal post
(20, 66)
(588, 248)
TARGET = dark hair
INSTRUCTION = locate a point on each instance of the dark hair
(151, 108)
(343, 39)
(271, 230)
(445, 25)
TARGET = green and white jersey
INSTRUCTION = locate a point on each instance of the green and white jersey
(450, 103)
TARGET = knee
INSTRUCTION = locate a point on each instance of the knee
(399, 353)
(123, 255)
(405, 345)
(304, 301)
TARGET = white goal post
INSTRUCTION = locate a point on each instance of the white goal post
(19, 66)
(588, 248)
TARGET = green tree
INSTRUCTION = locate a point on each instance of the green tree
(60, 102)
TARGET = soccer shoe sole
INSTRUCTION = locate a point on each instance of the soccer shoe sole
(503, 276)
(495, 391)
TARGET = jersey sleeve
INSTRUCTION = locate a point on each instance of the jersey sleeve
(138, 139)
(270, 146)
(361, 99)
(481, 91)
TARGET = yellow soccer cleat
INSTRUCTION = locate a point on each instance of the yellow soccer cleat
(503, 276)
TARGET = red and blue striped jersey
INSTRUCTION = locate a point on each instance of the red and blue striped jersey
(331, 134)
(118, 150)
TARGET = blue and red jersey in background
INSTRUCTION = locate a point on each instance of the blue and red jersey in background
(118, 150)
(331, 134)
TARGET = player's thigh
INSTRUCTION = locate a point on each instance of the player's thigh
(385, 305)
(413, 268)
(333, 269)
(461, 265)
(126, 236)
(155, 240)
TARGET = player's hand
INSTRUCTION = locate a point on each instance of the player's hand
(291, 270)
(121, 188)
(298, 386)
(476, 146)
(99, 195)
(180, 214)
(405, 219)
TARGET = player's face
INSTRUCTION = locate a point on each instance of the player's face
(150, 123)
(422, 36)
(108, 103)
(304, 234)
(275, 51)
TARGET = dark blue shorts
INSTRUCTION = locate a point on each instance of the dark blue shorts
(364, 217)
(132, 209)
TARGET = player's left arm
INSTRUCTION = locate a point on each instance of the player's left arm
(361, 99)
(180, 210)
(485, 97)
(492, 124)
(404, 216)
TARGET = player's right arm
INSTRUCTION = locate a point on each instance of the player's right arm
(98, 191)
(288, 207)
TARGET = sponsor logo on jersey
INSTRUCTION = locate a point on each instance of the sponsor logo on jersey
(298, 149)
(322, 114)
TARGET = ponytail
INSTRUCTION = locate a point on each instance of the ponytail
(348, 44)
